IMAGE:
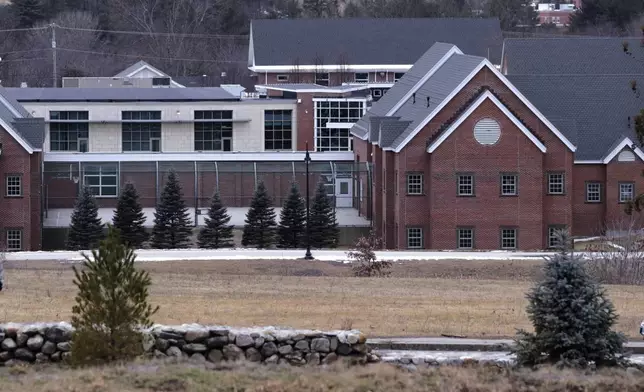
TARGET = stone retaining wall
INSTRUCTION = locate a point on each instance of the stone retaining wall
(52, 343)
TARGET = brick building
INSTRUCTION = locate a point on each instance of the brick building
(461, 158)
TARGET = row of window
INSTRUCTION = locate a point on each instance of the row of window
(509, 186)
(322, 78)
(141, 130)
(465, 237)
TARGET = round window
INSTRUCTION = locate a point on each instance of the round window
(487, 131)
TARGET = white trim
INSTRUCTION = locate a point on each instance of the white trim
(332, 68)
(18, 138)
(322, 89)
(486, 95)
(364, 137)
(339, 99)
(154, 70)
(627, 142)
(267, 156)
(339, 125)
(424, 79)
(588, 162)
(485, 63)
(371, 84)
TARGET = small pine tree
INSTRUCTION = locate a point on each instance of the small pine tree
(292, 226)
(86, 229)
(572, 318)
(129, 218)
(172, 228)
(111, 304)
(216, 233)
(259, 228)
(323, 225)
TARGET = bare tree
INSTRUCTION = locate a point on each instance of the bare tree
(344, 72)
(295, 71)
(363, 258)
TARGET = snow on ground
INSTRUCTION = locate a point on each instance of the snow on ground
(278, 254)
(61, 217)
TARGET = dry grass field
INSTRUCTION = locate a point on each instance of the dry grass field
(186, 377)
(429, 298)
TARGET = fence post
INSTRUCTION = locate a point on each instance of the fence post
(196, 192)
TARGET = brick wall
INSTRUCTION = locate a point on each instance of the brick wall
(617, 172)
(588, 218)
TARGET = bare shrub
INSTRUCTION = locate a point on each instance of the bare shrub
(363, 258)
(618, 256)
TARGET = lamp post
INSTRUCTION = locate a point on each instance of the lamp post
(307, 160)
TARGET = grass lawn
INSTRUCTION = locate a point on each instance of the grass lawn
(185, 377)
(470, 298)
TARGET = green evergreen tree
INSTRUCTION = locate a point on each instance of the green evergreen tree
(259, 230)
(129, 218)
(323, 225)
(29, 12)
(172, 228)
(572, 318)
(292, 227)
(86, 228)
(216, 233)
(111, 304)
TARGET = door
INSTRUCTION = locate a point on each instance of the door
(343, 194)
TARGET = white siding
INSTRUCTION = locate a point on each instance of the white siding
(248, 136)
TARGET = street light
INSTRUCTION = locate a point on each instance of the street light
(307, 160)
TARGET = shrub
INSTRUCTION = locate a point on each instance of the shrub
(363, 258)
(111, 304)
(572, 318)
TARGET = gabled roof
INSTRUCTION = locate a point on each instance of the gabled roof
(133, 69)
(572, 55)
(126, 94)
(620, 145)
(591, 110)
(367, 41)
(424, 91)
(29, 132)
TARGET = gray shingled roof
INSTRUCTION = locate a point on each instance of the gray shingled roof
(120, 94)
(590, 110)
(31, 130)
(411, 114)
(573, 55)
(370, 41)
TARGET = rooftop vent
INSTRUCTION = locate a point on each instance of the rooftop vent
(23, 85)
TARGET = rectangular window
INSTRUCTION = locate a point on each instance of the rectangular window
(509, 185)
(377, 92)
(141, 130)
(593, 192)
(68, 130)
(278, 130)
(414, 183)
(345, 111)
(282, 78)
(322, 78)
(556, 183)
(213, 130)
(626, 191)
(553, 240)
(508, 238)
(465, 185)
(398, 76)
(102, 179)
(465, 238)
(160, 81)
(14, 240)
(361, 77)
(14, 186)
(415, 237)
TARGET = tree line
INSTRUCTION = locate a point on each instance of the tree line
(173, 229)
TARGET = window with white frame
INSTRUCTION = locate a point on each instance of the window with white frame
(414, 183)
(509, 184)
(69, 131)
(13, 185)
(553, 235)
(361, 77)
(398, 76)
(465, 185)
(508, 238)
(626, 191)
(101, 178)
(322, 78)
(465, 238)
(213, 130)
(329, 138)
(278, 130)
(556, 183)
(14, 239)
(415, 237)
(141, 130)
(593, 192)
(282, 78)
(376, 92)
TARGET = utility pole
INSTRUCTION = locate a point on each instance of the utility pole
(53, 55)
